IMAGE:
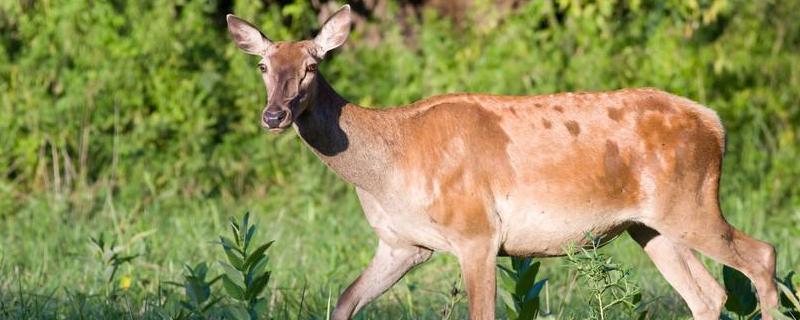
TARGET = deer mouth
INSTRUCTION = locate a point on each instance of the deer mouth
(278, 130)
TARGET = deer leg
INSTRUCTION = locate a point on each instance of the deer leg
(710, 234)
(388, 265)
(684, 271)
(478, 267)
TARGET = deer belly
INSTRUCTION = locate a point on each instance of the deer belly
(543, 232)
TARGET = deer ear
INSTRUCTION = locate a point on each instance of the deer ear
(334, 31)
(247, 36)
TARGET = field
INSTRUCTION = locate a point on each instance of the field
(140, 123)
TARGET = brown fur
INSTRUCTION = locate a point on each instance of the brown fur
(470, 130)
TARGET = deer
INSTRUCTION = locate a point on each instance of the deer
(483, 175)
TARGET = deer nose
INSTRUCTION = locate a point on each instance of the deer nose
(273, 118)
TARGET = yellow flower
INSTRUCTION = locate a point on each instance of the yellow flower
(125, 282)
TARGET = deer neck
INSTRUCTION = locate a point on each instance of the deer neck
(345, 137)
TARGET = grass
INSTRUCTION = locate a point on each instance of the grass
(48, 266)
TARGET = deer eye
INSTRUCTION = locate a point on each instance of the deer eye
(311, 67)
(262, 67)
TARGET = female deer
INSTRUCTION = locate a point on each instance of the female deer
(485, 175)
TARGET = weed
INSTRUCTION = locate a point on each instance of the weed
(197, 291)
(111, 258)
(245, 274)
(610, 286)
(742, 301)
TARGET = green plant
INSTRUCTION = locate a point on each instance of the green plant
(742, 300)
(245, 274)
(111, 258)
(741, 294)
(454, 296)
(197, 291)
(790, 298)
(519, 289)
(610, 286)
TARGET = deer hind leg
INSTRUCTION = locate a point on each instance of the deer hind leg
(388, 265)
(684, 271)
(705, 230)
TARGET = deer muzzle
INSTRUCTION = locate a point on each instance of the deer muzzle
(275, 119)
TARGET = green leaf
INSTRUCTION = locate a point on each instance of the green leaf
(197, 290)
(507, 281)
(257, 287)
(789, 299)
(256, 255)
(227, 243)
(245, 224)
(741, 296)
(506, 270)
(508, 301)
(256, 270)
(249, 236)
(526, 279)
(232, 252)
(235, 230)
(636, 298)
(529, 310)
(533, 293)
(200, 270)
(233, 275)
(234, 259)
(233, 290)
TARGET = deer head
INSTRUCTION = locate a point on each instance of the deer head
(289, 69)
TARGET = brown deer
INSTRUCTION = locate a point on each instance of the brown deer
(483, 175)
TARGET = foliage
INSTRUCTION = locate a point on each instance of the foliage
(742, 296)
(742, 299)
(245, 276)
(613, 293)
(519, 290)
(244, 279)
(790, 298)
(124, 117)
(110, 256)
(197, 292)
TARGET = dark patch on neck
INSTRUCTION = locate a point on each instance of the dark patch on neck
(320, 125)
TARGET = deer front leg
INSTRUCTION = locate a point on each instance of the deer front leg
(477, 261)
(388, 265)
